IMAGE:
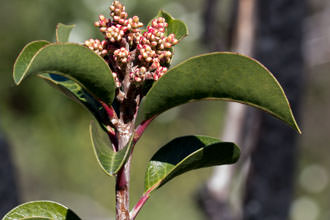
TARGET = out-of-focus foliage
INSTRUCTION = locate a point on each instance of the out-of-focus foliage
(313, 179)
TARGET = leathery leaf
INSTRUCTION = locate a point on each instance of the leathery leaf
(72, 61)
(221, 75)
(175, 26)
(41, 210)
(187, 153)
(109, 160)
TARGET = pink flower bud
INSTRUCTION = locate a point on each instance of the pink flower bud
(104, 52)
(136, 19)
(154, 43)
(167, 45)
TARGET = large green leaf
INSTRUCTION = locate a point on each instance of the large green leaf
(63, 32)
(74, 62)
(225, 76)
(109, 160)
(67, 86)
(187, 153)
(78, 94)
(41, 210)
(175, 26)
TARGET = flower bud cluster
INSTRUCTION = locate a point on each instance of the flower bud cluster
(160, 72)
(145, 56)
(120, 25)
(121, 56)
(115, 33)
(102, 23)
(117, 11)
(133, 24)
(154, 50)
(97, 46)
(139, 74)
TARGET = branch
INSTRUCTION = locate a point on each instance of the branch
(110, 111)
(141, 128)
(139, 205)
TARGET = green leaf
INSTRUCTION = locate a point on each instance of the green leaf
(224, 76)
(41, 210)
(26, 55)
(63, 32)
(74, 62)
(109, 160)
(74, 91)
(67, 86)
(175, 26)
(187, 153)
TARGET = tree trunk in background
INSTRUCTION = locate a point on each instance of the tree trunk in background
(8, 187)
(214, 197)
(269, 187)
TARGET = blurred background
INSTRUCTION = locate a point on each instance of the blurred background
(45, 150)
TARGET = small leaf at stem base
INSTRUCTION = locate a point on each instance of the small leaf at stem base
(109, 160)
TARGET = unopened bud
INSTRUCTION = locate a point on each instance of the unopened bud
(167, 45)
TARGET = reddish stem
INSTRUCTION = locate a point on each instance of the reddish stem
(110, 111)
(135, 211)
(112, 115)
(113, 139)
(141, 128)
(123, 134)
(122, 196)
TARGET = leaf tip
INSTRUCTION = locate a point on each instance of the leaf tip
(296, 127)
(292, 122)
(67, 25)
(59, 29)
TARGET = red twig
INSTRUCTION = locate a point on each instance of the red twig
(139, 205)
(141, 202)
(141, 128)
(110, 111)
(113, 118)
(122, 194)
